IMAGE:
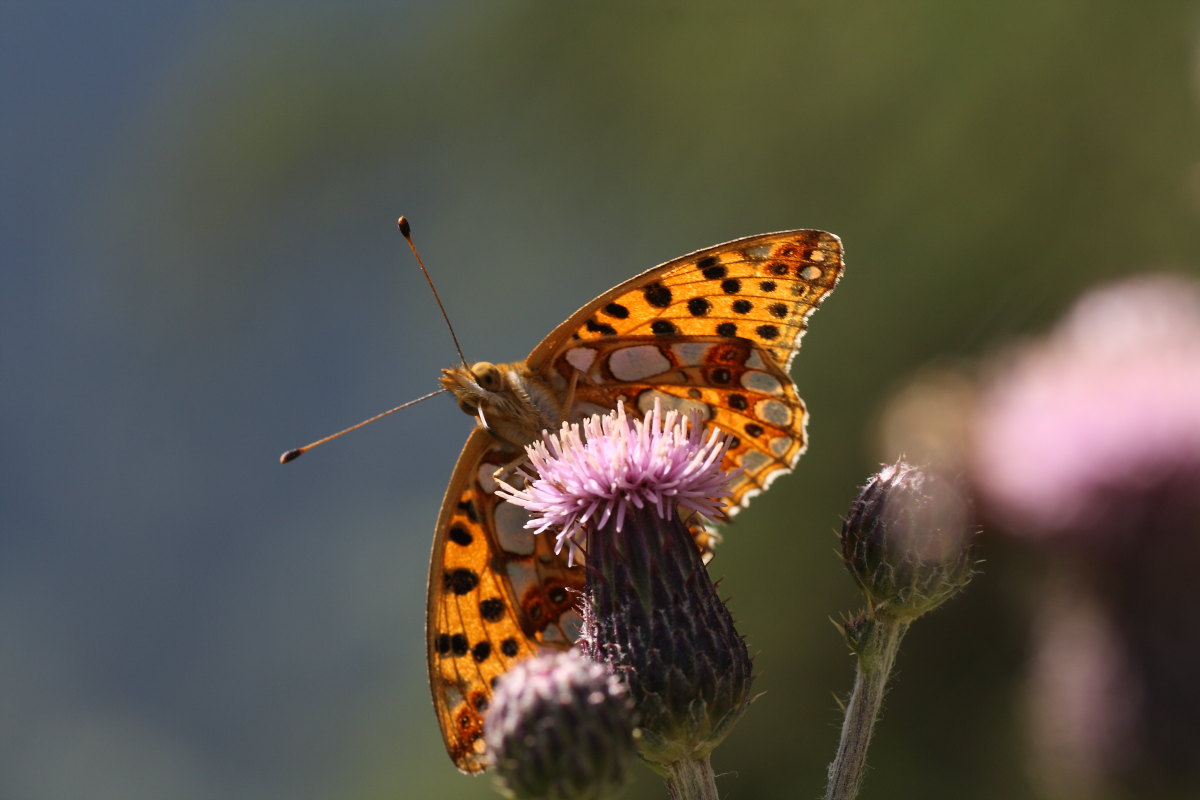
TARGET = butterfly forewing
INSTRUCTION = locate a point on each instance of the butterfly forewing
(729, 383)
(497, 594)
(714, 331)
(761, 288)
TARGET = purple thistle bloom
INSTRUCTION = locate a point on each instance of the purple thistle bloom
(589, 471)
(620, 489)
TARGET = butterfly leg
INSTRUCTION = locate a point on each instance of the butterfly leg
(505, 471)
(706, 539)
(577, 376)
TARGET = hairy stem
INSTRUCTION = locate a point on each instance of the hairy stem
(876, 655)
(691, 780)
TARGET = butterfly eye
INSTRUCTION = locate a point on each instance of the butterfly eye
(488, 375)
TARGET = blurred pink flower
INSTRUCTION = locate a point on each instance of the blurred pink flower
(1089, 440)
(1096, 427)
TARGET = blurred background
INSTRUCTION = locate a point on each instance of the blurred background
(202, 270)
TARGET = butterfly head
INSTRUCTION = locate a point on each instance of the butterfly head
(509, 402)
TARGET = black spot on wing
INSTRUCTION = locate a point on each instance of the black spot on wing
(657, 295)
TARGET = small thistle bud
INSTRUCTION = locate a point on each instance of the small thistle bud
(560, 726)
(907, 542)
(622, 493)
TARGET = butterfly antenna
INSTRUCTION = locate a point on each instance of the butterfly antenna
(406, 231)
(292, 455)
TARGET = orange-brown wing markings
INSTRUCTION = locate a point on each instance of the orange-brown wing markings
(497, 594)
(761, 288)
(715, 330)
(732, 383)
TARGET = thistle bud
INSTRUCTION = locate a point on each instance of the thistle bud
(560, 726)
(907, 541)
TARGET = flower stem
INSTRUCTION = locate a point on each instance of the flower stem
(692, 780)
(879, 643)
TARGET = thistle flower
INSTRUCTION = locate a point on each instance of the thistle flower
(611, 464)
(620, 491)
(560, 726)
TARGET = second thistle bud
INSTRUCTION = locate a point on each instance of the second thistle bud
(560, 726)
(907, 541)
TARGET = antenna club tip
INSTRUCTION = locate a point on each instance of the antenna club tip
(404, 228)
(291, 455)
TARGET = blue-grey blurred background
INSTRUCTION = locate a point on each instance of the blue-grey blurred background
(201, 269)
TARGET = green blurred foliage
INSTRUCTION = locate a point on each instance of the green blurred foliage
(236, 285)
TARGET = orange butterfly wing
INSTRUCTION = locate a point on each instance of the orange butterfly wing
(715, 330)
(496, 595)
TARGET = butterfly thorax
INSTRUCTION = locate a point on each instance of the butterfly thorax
(509, 400)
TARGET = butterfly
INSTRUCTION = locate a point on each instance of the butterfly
(714, 332)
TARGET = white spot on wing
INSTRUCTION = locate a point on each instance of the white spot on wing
(522, 575)
(754, 461)
(485, 478)
(669, 401)
(638, 363)
(511, 532)
(774, 412)
(581, 358)
(690, 353)
(571, 624)
(763, 382)
(780, 445)
(810, 273)
(755, 360)
(758, 252)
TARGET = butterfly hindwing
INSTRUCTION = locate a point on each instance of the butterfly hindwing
(497, 594)
(731, 384)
